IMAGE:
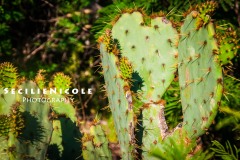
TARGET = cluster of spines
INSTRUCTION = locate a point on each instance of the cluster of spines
(8, 75)
(110, 44)
(95, 144)
(125, 68)
(13, 122)
(202, 12)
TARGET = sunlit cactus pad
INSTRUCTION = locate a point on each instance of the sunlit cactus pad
(200, 75)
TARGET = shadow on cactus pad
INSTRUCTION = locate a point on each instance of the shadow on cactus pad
(34, 132)
(137, 83)
(65, 142)
(53, 152)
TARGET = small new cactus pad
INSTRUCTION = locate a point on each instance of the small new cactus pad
(205, 10)
(119, 101)
(40, 79)
(228, 43)
(95, 144)
(61, 82)
(8, 75)
(200, 75)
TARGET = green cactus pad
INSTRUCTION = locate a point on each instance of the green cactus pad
(151, 132)
(6, 101)
(118, 103)
(4, 125)
(37, 133)
(63, 105)
(151, 50)
(66, 138)
(200, 76)
(14, 122)
(95, 144)
(8, 75)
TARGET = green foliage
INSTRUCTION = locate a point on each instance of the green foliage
(229, 110)
(228, 152)
(173, 108)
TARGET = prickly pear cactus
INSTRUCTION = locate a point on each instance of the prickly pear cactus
(95, 144)
(121, 108)
(11, 127)
(28, 129)
(145, 60)
(12, 122)
(25, 124)
(37, 133)
(200, 75)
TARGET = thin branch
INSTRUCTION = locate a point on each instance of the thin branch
(41, 47)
